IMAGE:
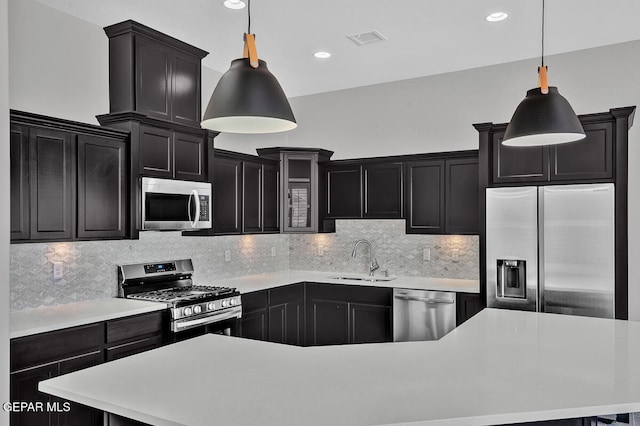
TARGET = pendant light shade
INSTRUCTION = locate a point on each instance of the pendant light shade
(543, 119)
(248, 100)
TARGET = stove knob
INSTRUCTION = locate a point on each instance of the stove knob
(232, 302)
(197, 309)
(187, 311)
(225, 303)
(211, 306)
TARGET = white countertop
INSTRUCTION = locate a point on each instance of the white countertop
(275, 279)
(33, 321)
(498, 367)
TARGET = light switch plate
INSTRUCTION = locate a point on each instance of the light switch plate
(57, 270)
(426, 254)
(455, 255)
(273, 252)
(227, 255)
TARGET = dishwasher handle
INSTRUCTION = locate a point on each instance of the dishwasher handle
(428, 300)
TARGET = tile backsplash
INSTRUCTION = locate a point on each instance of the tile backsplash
(89, 267)
(396, 251)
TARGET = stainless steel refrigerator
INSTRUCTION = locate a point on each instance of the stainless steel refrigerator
(551, 249)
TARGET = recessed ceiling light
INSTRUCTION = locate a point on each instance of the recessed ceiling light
(497, 17)
(322, 55)
(234, 4)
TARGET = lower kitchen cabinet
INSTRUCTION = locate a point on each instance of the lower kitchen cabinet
(467, 305)
(43, 356)
(340, 314)
(255, 315)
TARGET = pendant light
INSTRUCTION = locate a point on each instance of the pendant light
(544, 117)
(248, 98)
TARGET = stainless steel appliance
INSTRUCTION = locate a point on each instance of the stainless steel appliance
(175, 204)
(200, 309)
(422, 314)
(551, 249)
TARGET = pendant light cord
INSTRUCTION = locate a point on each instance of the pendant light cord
(249, 16)
(542, 65)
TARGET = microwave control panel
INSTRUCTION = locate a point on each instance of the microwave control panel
(204, 207)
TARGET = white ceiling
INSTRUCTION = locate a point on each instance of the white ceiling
(425, 37)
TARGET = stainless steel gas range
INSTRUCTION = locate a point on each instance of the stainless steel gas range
(199, 309)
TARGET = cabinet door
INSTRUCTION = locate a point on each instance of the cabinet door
(254, 325)
(519, 163)
(24, 387)
(19, 204)
(467, 305)
(425, 197)
(252, 197)
(383, 190)
(102, 187)
(461, 197)
(186, 89)
(227, 193)
(79, 414)
(51, 172)
(270, 198)
(188, 157)
(155, 152)
(327, 322)
(343, 197)
(590, 158)
(153, 78)
(370, 323)
(285, 323)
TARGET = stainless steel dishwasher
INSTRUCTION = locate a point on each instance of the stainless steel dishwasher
(422, 314)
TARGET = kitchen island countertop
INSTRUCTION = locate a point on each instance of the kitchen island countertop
(499, 367)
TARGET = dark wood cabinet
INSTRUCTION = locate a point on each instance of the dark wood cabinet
(154, 74)
(260, 196)
(42, 356)
(170, 154)
(271, 198)
(342, 314)
(341, 191)
(255, 315)
(227, 195)
(590, 159)
(68, 180)
(442, 195)
(467, 305)
(382, 190)
(461, 196)
(425, 197)
(102, 186)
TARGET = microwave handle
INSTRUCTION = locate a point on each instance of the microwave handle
(195, 196)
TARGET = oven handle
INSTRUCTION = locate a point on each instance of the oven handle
(195, 196)
(182, 325)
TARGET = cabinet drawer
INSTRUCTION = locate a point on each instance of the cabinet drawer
(47, 347)
(254, 301)
(288, 293)
(350, 293)
(135, 327)
(133, 348)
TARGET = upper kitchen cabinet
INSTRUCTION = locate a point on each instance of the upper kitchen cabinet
(442, 194)
(298, 186)
(363, 188)
(153, 74)
(68, 180)
(592, 159)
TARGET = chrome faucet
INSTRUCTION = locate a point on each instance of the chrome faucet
(373, 263)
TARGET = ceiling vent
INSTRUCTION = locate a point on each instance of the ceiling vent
(367, 38)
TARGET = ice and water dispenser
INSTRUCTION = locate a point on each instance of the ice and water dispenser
(512, 279)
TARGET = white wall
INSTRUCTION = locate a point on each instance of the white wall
(4, 209)
(421, 115)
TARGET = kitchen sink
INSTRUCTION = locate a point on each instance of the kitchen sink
(371, 279)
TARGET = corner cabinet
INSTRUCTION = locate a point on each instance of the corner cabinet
(298, 186)
(68, 180)
(442, 195)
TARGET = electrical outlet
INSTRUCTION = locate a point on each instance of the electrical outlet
(227, 255)
(426, 254)
(57, 270)
(320, 251)
(273, 252)
(455, 255)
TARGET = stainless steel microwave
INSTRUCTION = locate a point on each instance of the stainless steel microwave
(175, 204)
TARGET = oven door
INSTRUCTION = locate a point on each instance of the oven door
(226, 322)
(175, 205)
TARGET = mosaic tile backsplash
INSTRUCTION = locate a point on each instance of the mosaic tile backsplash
(397, 252)
(89, 267)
